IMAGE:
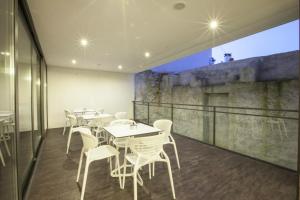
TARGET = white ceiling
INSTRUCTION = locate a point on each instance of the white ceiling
(120, 31)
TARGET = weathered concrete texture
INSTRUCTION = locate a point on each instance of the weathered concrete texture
(269, 82)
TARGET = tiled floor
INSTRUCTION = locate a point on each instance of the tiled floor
(207, 173)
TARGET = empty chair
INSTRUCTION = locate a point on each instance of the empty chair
(73, 122)
(165, 125)
(67, 112)
(92, 152)
(121, 115)
(4, 137)
(96, 126)
(146, 150)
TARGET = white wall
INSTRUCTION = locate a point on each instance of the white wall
(76, 88)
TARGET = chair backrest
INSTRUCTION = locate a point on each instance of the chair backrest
(121, 115)
(147, 147)
(89, 140)
(122, 122)
(95, 123)
(72, 120)
(165, 125)
(67, 112)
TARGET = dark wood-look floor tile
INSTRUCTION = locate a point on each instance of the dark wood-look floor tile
(206, 173)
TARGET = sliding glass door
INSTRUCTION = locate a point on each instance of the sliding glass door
(36, 91)
(25, 143)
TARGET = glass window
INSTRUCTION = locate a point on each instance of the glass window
(25, 146)
(8, 186)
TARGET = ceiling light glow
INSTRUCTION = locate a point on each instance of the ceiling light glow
(147, 54)
(74, 61)
(120, 67)
(213, 24)
(83, 42)
(5, 53)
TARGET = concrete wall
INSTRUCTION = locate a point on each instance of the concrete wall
(269, 82)
(75, 88)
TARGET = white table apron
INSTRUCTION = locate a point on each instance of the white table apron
(128, 131)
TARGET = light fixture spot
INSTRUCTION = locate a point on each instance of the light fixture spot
(84, 42)
(179, 6)
(147, 54)
(74, 61)
(5, 53)
(120, 67)
(213, 24)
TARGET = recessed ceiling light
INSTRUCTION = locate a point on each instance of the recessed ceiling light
(147, 54)
(74, 61)
(179, 6)
(213, 24)
(120, 67)
(83, 42)
(5, 53)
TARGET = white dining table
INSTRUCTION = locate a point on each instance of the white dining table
(89, 117)
(120, 131)
(82, 111)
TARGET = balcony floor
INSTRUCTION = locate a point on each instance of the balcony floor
(206, 173)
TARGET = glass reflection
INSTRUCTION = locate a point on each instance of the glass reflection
(36, 84)
(25, 146)
(8, 189)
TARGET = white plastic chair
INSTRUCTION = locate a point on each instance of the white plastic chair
(96, 126)
(121, 115)
(146, 150)
(165, 125)
(67, 112)
(4, 130)
(73, 122)
(92, 152)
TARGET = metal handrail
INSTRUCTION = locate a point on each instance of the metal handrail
(231, 107)
(214, 110)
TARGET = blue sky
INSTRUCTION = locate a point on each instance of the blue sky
(280, 39)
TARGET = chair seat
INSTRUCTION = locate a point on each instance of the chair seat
(101, 152)
(132, 158)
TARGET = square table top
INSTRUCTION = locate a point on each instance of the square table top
(83, 110)
(127, 131)
(90, 116)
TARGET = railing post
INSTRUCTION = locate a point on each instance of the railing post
(134, 115)
(214, 125)
(172, 117)
(148, 107)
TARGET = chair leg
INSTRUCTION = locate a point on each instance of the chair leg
(171, 177)
(80, 164)
(69, 140)
(153, 168)
(135, 184)
(119, 171)
(86, 170)
(149, 170)
(124, 173)
(6, 146)
(176, 154)
(2, 158)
